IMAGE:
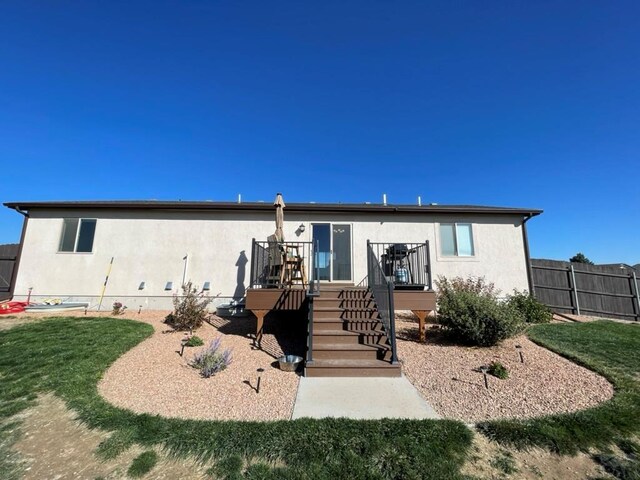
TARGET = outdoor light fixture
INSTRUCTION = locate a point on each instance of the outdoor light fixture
(302, 228)
(519, 349)
(141, 286)
(206, 287)
(169, 286)
(484, 370)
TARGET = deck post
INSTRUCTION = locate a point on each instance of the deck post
(260, 314)
(422, 316)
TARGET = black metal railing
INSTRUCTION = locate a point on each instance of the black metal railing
(279, 264)
(312, 293)
(407, 264)
(382, 287)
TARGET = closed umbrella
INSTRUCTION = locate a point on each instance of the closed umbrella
(279, 204)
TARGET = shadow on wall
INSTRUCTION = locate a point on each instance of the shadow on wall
(241, 263)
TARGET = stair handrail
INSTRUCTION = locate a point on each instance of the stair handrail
(312, 293)
(382, 289)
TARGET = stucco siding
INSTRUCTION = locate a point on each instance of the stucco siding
(150, 246)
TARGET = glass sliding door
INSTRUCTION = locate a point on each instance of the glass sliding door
(334, 251)
(322, 239)
(341, 252)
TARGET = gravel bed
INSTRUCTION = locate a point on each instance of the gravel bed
(153, 378)
(448, 377)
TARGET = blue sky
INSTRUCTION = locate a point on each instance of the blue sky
(531, 104)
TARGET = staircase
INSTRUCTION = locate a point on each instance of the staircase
(348, 337)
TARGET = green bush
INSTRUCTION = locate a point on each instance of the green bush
(194, 341)
(189, 310)
(531, 309)
(474, 315)
(498, 370)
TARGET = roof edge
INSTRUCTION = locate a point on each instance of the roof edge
(267, 206)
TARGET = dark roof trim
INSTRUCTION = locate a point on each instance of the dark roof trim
(267, 206)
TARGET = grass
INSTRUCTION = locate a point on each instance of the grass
(609, 348)
(143, 464)
(68, 356)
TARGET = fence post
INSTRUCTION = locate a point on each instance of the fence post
(575, 289)
(635, 283)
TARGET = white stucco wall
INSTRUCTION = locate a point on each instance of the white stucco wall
(149, 246)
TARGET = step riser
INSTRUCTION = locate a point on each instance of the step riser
(319, 339)
(347, 355)
(348, 314)
(348, 325)
(351, 372)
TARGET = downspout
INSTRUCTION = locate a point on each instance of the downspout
(14, 274)
(527, 256)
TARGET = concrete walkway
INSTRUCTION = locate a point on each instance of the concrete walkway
(360, 398)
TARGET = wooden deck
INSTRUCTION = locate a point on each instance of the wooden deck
(261, 301)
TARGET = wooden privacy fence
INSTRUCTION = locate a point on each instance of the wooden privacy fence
(578, 288)
(8, 255)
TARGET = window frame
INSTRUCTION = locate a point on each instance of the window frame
(456, 255)
(77, 235)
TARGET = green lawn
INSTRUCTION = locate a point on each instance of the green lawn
(609, 348)
(69, 355)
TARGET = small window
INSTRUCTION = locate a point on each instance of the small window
(456, 239)
(77, 235)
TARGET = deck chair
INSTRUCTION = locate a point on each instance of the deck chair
(275, 251)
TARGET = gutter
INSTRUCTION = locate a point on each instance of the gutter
(527, 256)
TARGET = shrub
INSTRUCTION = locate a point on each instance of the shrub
(189, 310)
(531, 309)
(210, 360)
(476, 285)
(194, 341)
(470, 312)
(498, 370)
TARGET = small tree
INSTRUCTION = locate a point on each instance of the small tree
(580, 258)
(189, 310)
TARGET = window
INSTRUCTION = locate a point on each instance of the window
(77, 235)
(456, 239)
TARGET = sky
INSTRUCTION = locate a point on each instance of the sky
(523, 104)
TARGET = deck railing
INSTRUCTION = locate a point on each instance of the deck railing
(408, 265)
(274, 263)
(382, 287)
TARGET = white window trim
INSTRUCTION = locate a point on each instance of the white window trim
(75, 242)
(455, 258)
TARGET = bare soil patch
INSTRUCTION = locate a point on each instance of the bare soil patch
(486, 458)
(53, 444)
(448, 376)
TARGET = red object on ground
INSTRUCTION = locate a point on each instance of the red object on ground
(12, 307)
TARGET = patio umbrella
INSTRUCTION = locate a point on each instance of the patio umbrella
(279, 204)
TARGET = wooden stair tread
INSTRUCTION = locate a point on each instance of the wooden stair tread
(348, 332)
(351, 346)
(343, 319)
(344, 309)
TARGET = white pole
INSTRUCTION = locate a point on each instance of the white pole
(384, 198)
(186, 263)
(419, 201)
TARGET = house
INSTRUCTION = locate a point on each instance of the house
(150, 248)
